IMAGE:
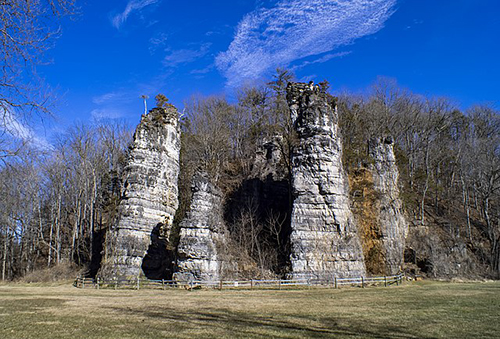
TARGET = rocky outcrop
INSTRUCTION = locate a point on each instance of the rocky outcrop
(268, 162)
(392, 222)
(201, 232)
(324, 235)
(149, 194)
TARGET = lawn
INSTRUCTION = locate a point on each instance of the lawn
(413, 310)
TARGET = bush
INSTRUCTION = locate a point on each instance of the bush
(60, 272)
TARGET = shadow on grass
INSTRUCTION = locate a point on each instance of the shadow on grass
(242, 324)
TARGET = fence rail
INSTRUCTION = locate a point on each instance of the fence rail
(335, 282)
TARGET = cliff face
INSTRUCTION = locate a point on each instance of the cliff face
(393, 224)
(149, 195)
(324, 236)
(202, 232)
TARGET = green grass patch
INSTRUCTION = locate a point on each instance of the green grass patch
(414, 310)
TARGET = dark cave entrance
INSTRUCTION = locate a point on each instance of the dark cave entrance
(261, 210)
(158, 261)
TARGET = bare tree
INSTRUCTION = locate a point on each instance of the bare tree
(27, 30)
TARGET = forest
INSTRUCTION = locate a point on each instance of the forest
(57, 201)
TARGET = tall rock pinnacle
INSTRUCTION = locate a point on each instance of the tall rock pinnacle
(393, 224)
(324, 238)
(149, 196)
(202, 231)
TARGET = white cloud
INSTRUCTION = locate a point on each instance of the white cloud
(203, 70)
(157, 42)
(322, 59)
(183, 56)
(294, 29)
(132, 5)
(100, 114)
(108, 97)
(18, 130)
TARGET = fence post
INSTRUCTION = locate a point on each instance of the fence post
(251, 284)
(163, 284)
(97, 280)
(220, 285)
(362, 282)
(335, 282)
(279, 283)
(138, 283)
(83, 283)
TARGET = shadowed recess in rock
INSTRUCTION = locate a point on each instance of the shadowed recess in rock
(158, 261)
(258, 216)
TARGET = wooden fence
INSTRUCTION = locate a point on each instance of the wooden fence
(335, 282)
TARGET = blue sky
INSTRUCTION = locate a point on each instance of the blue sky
(117, 50)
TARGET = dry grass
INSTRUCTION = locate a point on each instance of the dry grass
(56, 273)
(416, 310)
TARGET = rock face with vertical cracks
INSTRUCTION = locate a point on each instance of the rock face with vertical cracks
(324, 236)
(202, 231)
(149, 196)
(393, 224)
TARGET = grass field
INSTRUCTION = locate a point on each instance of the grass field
(414, 310)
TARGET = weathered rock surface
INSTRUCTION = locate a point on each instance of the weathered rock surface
(149, 196)
(324, 235)
(268, 162)
(202, 232)
(392, 221)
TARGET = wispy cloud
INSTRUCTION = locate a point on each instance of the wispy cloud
(132, 5)
(205, 70)
(324, 58)
(183, 56)
(295, 29)
(20, 131)
(157, 42)
(100, 114)
(109, 97)
(116, 104)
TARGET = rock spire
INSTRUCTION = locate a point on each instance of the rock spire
(202, 231)
(149, 197)
(324, 236)
(393, 224)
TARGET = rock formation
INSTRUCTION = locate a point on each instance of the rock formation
(201, 232)
(393, 224)
(149, 194)
(268, 162)
(324, 236)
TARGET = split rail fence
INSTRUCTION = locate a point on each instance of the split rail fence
(362, 282)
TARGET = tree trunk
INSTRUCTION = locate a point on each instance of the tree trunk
(487, 217)
(5, 248)
(426, 187)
